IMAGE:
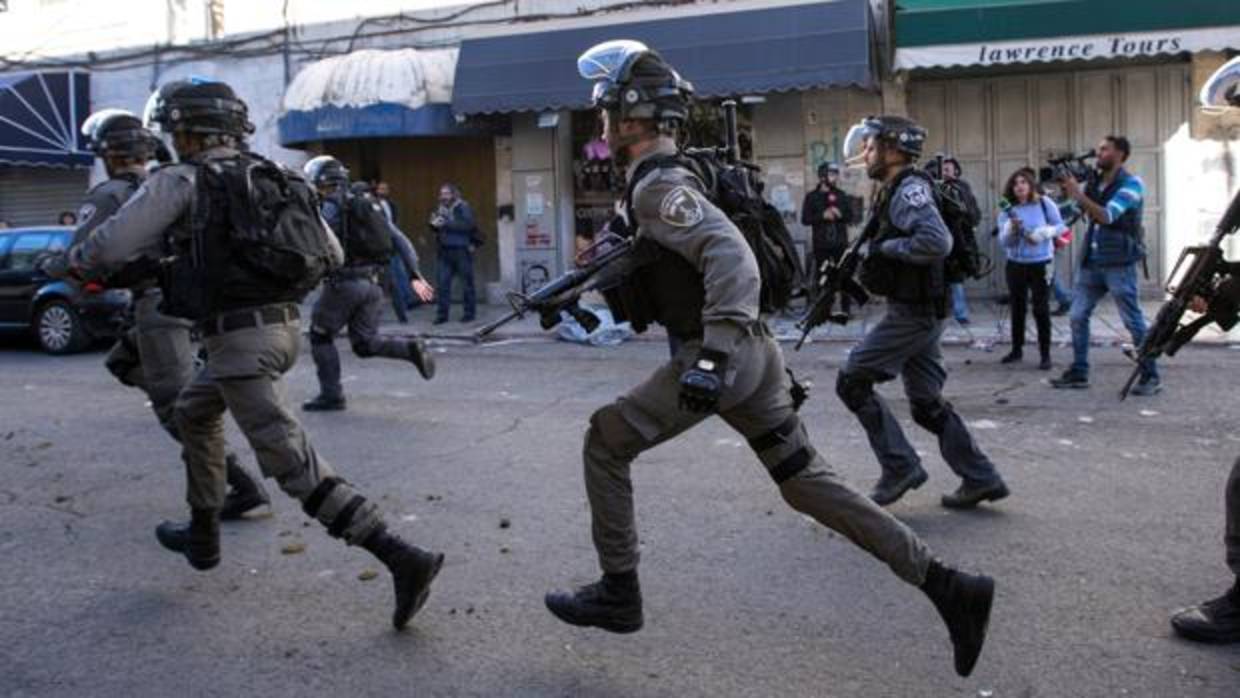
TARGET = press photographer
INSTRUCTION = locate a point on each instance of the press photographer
(1112, 201)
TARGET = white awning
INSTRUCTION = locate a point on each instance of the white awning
(363, 78)
(1069, 48)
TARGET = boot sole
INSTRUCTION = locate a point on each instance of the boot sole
(400, 622)
(972, 502)
(980, 606)
(619, 627)
(245, 510)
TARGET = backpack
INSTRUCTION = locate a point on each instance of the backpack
(367, 232)
(737, 191)
(256, 238)
(965, 261)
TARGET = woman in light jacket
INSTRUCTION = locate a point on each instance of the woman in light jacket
(1028, 225)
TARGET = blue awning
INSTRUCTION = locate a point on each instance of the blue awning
(371, 93)
(795, 47)
(41, 116)
(373, 121)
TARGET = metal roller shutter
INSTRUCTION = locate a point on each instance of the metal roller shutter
(37, 195)
(996, 124)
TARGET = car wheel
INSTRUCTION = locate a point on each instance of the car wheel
(59, 330)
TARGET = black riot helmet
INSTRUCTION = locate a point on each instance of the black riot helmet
(631, 81)
(897, 132)
(118, 133)
(326, 172)
(198, 105)
(828, 168)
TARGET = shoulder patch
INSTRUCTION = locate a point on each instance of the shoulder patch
(681, 208)
(915, 194)
(85, 213)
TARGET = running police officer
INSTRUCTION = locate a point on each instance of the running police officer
(1218, 620)
(352, 295)
(702, 283)
(156, 354)
(196, 213)
(905, 263)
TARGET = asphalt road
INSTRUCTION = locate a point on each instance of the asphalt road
(1115, 520)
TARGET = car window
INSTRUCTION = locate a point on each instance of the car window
(25, 250)
(59, 242)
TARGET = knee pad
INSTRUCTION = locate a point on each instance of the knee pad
(345, 513)
(318, 336)
(855, 389)
(931, 416)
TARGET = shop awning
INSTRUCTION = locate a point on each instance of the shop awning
(793, 47)
(41, 115)
(372, 94)
(940, 33)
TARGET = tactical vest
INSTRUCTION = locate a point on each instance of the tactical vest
(661, 286)
(901, 282)
(1118, 243)
(222, 261)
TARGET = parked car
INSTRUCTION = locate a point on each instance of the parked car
(63, 315)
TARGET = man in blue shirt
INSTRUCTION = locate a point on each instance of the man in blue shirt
(1112, 201)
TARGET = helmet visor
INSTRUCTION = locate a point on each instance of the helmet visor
(1222, 89)
(605, 63)
(854, 143)
(95, 122)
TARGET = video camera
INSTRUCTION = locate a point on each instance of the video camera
(1067, 164)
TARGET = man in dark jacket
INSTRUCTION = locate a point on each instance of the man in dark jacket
(827, 211)
(457, 234)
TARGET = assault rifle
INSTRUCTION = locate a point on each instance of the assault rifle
(1206, 275)
(563, 294)
(836, 279)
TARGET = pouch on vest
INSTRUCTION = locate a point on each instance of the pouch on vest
(368, 237)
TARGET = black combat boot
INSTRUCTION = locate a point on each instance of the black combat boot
(963, 600)
(324, 403)
(245, 495)
(421, 358)
(198, 540)
(613, 603)
(412, 570)
(1216, 621)
(889, 489)
(968, 496)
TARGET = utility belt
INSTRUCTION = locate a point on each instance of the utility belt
(356, 272)
(280, 314)
(756, 328)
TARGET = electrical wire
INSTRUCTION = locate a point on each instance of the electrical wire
(273, 42)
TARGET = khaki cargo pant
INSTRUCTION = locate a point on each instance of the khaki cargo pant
(244, 376)
(756, 403)
(156, 355)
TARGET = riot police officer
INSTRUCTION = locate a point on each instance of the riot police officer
(353, 295)
(249, 322)
(1218, 620)
(905, 263)
(693, 272)
(156, 354)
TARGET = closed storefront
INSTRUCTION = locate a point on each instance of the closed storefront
(1002, 85)
(43, 169)
(995, 125)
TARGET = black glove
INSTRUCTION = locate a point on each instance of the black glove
(702, 384)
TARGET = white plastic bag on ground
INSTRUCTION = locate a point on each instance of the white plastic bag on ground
(607, 334)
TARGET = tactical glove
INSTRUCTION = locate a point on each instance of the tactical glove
(702, 384)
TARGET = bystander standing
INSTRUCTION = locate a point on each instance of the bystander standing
(1028, 226)
(458, 237)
